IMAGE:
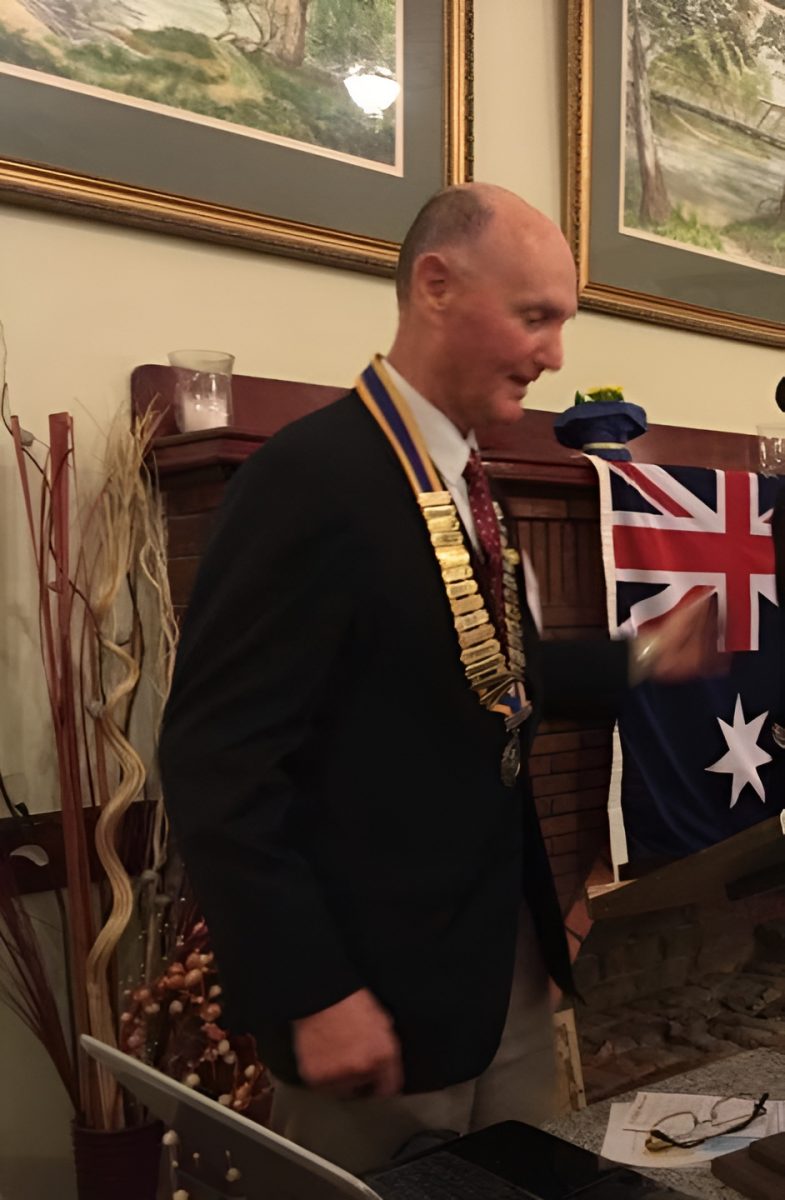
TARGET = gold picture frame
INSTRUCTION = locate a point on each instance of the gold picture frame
(620, 271)
(438, 53)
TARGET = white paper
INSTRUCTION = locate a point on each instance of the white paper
(630, 1124)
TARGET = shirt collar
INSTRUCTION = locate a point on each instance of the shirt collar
(445, 443)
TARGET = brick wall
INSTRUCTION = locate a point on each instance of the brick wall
(635, 956)
(558, 526)
(570, 765)
(666, 991)
(192, 499)
(630, 957)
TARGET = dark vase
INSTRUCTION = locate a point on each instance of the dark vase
(602, 428)
(121, 1165)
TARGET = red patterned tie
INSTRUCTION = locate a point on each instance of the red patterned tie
(487, 526)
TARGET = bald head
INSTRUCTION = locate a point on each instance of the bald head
(485, 285)
(468, 219)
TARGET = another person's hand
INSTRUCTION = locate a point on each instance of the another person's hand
(350, 1049)
(683, 645)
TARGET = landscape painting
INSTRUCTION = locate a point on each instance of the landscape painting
(703, 128)
(269, 69)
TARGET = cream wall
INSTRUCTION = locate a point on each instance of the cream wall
(83, 303)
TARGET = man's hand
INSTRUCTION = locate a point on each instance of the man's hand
(349, 1049)
(683, 646)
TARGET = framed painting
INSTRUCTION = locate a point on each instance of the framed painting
(676, 146)
(311, 128)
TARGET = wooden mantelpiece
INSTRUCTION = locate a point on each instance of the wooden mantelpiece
(263, 406)
(551, 494)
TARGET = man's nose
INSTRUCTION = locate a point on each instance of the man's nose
(550, 353)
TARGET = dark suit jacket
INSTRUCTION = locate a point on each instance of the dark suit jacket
(333, 783)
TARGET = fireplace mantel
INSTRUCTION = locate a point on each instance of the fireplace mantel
(263, 406)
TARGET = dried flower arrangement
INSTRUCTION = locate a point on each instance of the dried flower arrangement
(174, 1022)
(141, 974)
(107, 637)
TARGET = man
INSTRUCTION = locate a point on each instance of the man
(349, 711)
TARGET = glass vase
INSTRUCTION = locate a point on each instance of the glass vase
(771, 449)
(203, 389)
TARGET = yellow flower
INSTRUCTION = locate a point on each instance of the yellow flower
(599, 395)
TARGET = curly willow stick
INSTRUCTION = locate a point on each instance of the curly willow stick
(153, 562)
(132, 520)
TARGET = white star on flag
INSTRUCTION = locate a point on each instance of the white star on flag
(744, 754)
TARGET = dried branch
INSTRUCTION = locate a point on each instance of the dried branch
(93, 567)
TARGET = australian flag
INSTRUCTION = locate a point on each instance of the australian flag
(699, 763)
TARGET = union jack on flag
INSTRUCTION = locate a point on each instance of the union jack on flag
(689, 531)
(698, 760)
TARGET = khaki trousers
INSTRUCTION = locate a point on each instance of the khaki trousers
(519, 1084)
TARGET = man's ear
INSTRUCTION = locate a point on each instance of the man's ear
(432, 280)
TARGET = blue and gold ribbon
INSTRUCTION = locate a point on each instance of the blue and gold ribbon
(496, 678)
(393, 414)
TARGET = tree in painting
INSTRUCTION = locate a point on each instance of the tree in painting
(705, 125)
(279, 27)
(274, 66)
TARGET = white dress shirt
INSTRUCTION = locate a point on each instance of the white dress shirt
(449, 451)
(448, 448)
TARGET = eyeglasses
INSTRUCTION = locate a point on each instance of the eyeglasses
(685, 1130)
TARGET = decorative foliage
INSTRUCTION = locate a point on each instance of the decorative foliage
(131, 536)
(107, 642)
(174, 1023)
(600, 395)
(107, 634)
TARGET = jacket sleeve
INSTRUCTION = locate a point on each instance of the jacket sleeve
(272, 608)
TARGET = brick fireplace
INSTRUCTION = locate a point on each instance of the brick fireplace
(668, 990)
